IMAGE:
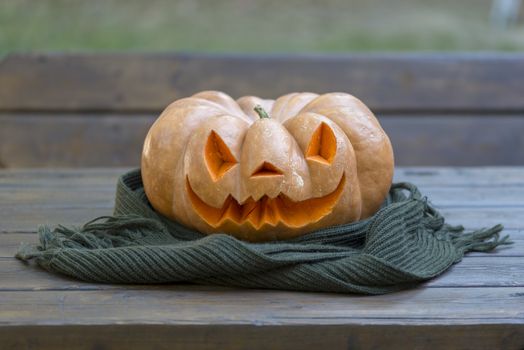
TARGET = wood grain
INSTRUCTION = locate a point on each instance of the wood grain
(29, 198)
(73, 140)
(470, 177)
(148, 82)
(263, 337)
(94, 110)
(27, 218)
(87, 141)
(461, 140)
(75, 193)
(428, 176)
(478, 303)
(187, 304)
(66, 178)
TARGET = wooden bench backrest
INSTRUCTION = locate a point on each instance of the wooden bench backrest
(95, 109)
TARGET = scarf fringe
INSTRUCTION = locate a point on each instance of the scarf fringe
(100, 233)
(482, 240)
(120, 231)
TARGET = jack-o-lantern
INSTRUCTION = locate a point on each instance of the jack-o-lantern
(302, 162)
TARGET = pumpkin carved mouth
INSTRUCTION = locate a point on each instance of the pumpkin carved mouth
(267, 210)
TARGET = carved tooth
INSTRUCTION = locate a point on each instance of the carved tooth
(247, 208)
(254, 215)
(231, 210)
(266, 210)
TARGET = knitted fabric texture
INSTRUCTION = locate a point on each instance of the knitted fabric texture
(404, 243)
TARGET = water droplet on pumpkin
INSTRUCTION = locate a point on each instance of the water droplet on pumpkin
(297, 179)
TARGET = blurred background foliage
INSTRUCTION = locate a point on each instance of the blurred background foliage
(253, 26)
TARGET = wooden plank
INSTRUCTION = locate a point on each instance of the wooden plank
(57, 173)
(58, 197)
(148, 82)
(26, 219)
(483, 271)
(254, 337)
(67, 198)
(64, 141)
(456, 139)
(186, 304)
(479, 302)
(67, 201)
(478, 271)
(486, 176)
(426, 176)
(65, 178)
(474, 218)
(20, 219)
(75, 193)
(116, 140)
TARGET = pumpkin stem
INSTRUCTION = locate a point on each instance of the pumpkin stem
(261, 112)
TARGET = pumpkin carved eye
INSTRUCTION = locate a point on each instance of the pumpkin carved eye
(218, 156)
(323, 145)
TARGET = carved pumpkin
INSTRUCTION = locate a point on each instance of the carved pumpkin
(216, 165)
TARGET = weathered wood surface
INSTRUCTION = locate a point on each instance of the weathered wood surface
(478, 303)
(25, 219)
(29, 140)
(94, 110)
(191, 304)
(32, 197)
(489, 176)
(72, 140)
(264, 337)
(148, 82)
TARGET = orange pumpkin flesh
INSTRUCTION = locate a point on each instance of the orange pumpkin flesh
(266, 210)
(218, 157)
(216, 165)
(267, 169)
(323, 145)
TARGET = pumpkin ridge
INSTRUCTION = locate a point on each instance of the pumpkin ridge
(297, 99)
(277, 114)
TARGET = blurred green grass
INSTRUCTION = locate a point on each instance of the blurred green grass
(252, 26)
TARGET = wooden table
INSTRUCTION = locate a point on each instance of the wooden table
(477, 304)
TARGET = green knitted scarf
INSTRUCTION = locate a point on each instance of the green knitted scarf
(404, 243)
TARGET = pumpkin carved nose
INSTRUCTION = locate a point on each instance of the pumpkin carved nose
(267, 169)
